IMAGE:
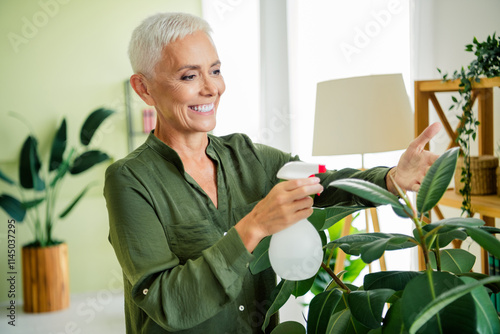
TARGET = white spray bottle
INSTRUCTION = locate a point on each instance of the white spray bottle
(296, 252)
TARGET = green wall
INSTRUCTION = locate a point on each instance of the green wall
(65, 58)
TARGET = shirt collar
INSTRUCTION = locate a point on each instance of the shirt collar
(171, 155)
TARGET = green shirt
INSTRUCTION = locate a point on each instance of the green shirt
(184, 265)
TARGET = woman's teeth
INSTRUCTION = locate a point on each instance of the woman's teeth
(203, 107)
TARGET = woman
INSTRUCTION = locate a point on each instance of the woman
(186, 209)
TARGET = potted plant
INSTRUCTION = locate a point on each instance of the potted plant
(45, 267)
(485, 64)
(444, 298)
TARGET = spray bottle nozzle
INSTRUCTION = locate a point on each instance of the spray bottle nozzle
(298, 170)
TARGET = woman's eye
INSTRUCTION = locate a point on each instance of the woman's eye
(216, 72)
(188, 77)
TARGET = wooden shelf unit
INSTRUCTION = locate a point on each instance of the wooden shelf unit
(488, 207)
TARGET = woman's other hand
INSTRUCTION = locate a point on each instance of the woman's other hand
(414, 162)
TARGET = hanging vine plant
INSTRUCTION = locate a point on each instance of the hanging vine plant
(486, 64)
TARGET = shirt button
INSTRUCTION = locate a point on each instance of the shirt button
(145, 291)
(241, 308)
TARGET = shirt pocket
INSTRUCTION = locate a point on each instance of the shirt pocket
(188, 240)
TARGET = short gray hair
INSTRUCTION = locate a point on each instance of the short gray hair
(156, 32)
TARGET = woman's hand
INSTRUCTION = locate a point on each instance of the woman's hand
(414, 162)
(287, 203)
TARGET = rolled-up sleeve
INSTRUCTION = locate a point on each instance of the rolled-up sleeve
(336, 196)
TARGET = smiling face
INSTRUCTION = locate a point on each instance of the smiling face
(186, 87)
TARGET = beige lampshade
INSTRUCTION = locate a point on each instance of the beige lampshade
(360, 115)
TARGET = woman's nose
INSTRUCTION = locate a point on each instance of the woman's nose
(209, 87)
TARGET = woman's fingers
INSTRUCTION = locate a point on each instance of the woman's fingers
(287, 203)
(419, 143)
(415, 161)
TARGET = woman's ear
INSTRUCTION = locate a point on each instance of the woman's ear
(140, 84)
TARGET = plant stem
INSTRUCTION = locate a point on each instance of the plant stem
(418, 223)
(429, 272)
(335, 278)
(329, 258)
(423, 244)
(437, 253)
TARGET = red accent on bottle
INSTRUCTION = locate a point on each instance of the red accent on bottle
(322, 169)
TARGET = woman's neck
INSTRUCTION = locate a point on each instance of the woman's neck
(188, 146)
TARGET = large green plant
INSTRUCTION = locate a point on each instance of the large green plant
(485, 64)
(39, 182)
(444, 298)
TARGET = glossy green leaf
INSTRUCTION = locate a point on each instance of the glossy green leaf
(371, 245)
(302, 287)
(321, 309)
(339, 322)
(393, 321)
(12, 207)
(87, 160)
(367, 306)
(487, 317)
(91, 124)
(462, 320)
(494, 287)
(454, 316)
(289, 327)
(448, 230)
(70, 207)
(375, 249)
(444, 239)
(454, 260)
(404, 211)
(485, 240)
(325, 218)
(58, 147)
(368, 191)
(279, 297)
(6, 178)
(322, 236)
(261, 256)
(436, 180)
(317, 218)
(29, 166)
(395, 280)
(322, 282)
(490, 229)
(456, 222)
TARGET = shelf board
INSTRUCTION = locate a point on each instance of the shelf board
(453, 85)
(485, 205)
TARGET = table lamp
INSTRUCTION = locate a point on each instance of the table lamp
(359, 115)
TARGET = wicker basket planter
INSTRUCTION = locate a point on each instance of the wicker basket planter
(483, 175)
